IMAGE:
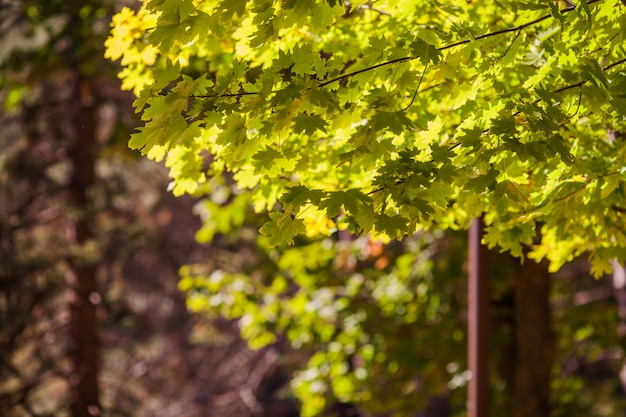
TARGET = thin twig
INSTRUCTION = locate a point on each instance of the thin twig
(508, 48)
(416, 89)
(608, 67)
(352, 74)
(518, 29)
(580, 99)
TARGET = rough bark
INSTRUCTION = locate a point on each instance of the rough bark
(535, 343)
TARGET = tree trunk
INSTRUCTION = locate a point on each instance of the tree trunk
(619, 291)
(534, 339)
(478, 322)
(81, 274)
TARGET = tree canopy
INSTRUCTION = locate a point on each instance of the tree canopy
(393, 116)
(384, 118)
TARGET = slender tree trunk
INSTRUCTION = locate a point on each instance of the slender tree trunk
(478, 403)
(81, 275)
(535, 343)
(619, 291)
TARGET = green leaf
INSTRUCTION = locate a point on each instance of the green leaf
(234, 131)
(299, 195)
(428, 54)
(282, 228)
(309, 123)
(395, 122)
(185, 7)
(503, 126)
(231, 8)
(164, 73)
(482, 182)
(471, 138)
(394, 225)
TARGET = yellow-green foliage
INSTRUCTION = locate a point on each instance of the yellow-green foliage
(387, 117)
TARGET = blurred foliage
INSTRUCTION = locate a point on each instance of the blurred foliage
(370, 328)
(384, 325)
(370, 314)
(157, 359)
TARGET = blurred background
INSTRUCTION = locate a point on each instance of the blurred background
(92, 320)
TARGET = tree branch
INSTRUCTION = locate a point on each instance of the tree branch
(558, 90)
(458, 43)
(518, 29)
(352, 74)
(581, 83)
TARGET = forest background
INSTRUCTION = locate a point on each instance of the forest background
(94, 316)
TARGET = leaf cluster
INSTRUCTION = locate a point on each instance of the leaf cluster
(392, 119)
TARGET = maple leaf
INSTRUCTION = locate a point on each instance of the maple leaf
(282, 229)
(309, 123)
